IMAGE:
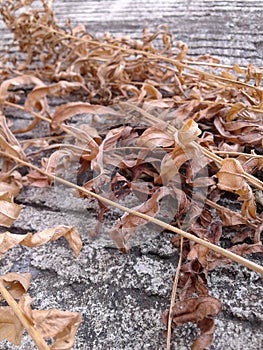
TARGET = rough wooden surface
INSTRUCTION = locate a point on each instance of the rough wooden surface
(230, 30)
(121, 297)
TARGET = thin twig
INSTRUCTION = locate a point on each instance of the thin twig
(172, 302)
(226, 253)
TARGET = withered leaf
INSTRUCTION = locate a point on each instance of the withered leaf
(195, 309)
(237, 107)
(199, 252)
(231, 178)
(148, 91)
(9, 211)
(59, 89)
(59, 325)
(188, 133)
(215, 259)
(20, 80)
(37, 179)
(204, 340)
(170, 165)
(154, 137)
(10, 326)
(128, 223)
(11, 183)
(17, 283)
(9, 240)
(199, 310)
(8, 141)
(68, 110)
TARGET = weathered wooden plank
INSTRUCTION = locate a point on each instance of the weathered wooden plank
(230, 30)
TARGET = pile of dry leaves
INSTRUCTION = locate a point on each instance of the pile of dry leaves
(163, 128)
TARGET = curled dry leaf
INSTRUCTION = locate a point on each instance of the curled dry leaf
(170, 166)
(8, 141)
(9, 211)
(34, 178)
(188, 133)
(155, 137)
(251, 134)
(128, 223)
(11, 328)
(205, 339)
(237, 107)
(199, 310)
(61, 88)
(68, 110)
(17, 81)
(9, 240)
(215, 259)
(59, 325)
(11, 183)
(231, 178)
(148, 91)
(16, 283)
(86, 142)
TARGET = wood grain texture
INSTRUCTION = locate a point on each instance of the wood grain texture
(229, 30)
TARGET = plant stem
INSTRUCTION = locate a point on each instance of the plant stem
(172, 302)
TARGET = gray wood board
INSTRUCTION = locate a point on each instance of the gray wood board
(229, 30)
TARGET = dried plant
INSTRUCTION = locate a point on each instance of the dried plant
(163, 127)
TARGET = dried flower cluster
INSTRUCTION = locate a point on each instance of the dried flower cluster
(164, 127)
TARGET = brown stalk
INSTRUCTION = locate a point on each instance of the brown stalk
(172, 301)
(26, 322)
(232, 256)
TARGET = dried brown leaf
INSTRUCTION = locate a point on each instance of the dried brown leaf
(215, 259)
(34, 178)
(68, 110)
(148, 91)
(11, 183)
(230, 217)
(199, 310)
(128, 223)
(36, 97)
(59, 325)
(17, 81)
(199, 252)
(195, 309)
(231, 178)
(8, 142)
(11, 328)
(16, 283)
(154, 137)
(205, 339)
(188, 133)
(253, 135)
(9, 240)
(9, 211)
(170, 166)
